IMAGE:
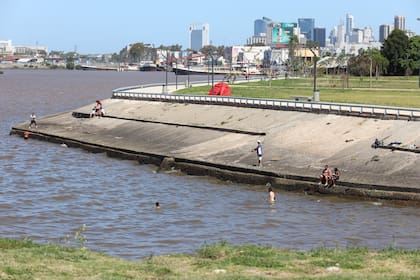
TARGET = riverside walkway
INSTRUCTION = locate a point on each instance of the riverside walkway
(218, 140)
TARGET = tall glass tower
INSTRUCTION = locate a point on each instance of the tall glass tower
(320, 36)
(306, 26)
(199, 36)
(349, 25)
(260, 25)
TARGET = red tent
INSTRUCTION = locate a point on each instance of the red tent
(221, 88)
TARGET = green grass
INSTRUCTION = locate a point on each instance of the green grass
(389, 91)
(28, 260)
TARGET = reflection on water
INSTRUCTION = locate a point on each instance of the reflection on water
(48, 191)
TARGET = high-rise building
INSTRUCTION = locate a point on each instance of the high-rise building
(383, 32)
(320, 36)
(199, 36)
(399, 22)
(279, 33)
(333, 36)
(367, 35)
(306, 26)
(340, 36)
(356, 36)
(349, 26)
(260, 26)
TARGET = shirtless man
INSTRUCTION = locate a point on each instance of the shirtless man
(325, 175)
(271, 195)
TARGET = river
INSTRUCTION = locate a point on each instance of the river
(47, 191)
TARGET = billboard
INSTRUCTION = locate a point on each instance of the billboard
(281, 32)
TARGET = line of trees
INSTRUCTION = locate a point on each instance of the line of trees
(398, 56)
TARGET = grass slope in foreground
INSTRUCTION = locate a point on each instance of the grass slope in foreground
(28, 260)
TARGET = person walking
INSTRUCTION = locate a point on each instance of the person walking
(259, 152)
(33, 120)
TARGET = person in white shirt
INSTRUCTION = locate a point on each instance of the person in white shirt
(33, 121)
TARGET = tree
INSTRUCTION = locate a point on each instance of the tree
(380, 63)
(208, 49)
(293, 60)
(361, 64)
(394, 49)
(70, 57)
(313, 47)
(136, 52)
(414, 54)
(221, 50)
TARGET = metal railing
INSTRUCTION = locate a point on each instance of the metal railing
(385, 112)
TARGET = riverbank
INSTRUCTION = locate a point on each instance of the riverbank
(219, 141)
(27, 260)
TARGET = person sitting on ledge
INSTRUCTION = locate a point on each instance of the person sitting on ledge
(325, 176)
(377, 143)
(334, 177)
(97, 110)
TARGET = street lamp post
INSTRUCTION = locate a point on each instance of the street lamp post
(176, 75)
(166, 74)
(208, 72)
(313, 45)
(188, 61)
(419, 61)
(212, 75)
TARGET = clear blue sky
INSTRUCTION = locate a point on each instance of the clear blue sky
(107, 26)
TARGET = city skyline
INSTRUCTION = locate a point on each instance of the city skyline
(102, 27)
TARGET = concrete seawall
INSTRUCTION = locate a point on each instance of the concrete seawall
(219, 140)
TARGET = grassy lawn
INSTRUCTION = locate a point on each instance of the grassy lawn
(388, 91)
(27, 260)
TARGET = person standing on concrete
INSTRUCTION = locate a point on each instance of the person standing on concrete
(259, 152)
(33, 120)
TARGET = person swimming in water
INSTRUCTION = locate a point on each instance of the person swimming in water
(271, 195)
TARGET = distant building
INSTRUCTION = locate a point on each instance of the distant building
(356, 36)
(257, 40)
(320, 36)
(246, 55)
(7, 49)
(306, 26)
(333, 36)
(349, 27)
(384, 31)
(399, 22)
(279, 33)
(340, 36)
(199, 36)
(260, 26)
(367, 35)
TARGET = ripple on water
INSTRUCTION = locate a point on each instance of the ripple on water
(47, 192)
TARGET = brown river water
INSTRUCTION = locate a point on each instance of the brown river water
(47, 191)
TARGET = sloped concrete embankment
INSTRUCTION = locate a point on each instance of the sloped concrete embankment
(218, 141)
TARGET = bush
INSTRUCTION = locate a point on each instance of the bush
(70, 65)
